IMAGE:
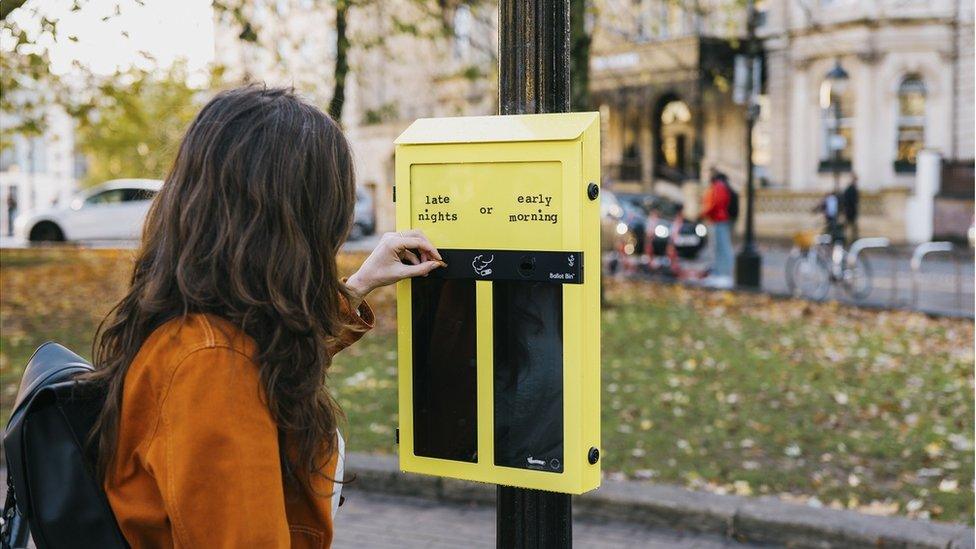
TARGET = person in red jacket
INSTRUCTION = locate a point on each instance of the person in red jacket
(715, 209)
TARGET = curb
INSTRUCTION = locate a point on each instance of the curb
(760, 520)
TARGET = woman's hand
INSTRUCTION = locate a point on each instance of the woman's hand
(397, 256)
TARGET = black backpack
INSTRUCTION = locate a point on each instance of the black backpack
(733, 201)
(51, 485)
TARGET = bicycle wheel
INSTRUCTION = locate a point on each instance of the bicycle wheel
(811, 277)
(859, 279)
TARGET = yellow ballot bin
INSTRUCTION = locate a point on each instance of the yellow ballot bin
(499, 352)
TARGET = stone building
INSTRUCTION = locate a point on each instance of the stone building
(910, 67)
(663, 76)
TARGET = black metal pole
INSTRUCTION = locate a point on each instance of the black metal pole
(533, 77)
(748, 263)
(533, 56)
(835, 142)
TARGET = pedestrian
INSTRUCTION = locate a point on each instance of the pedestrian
(11, 209)
(851, 201)
(715, 209)
(829, 206)
(218, 429)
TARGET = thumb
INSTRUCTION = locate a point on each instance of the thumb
(422, 269)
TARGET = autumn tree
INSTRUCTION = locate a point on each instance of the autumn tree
(128, 123)
(430, 19)
(580, 29)
(26, 82)
(133, 123)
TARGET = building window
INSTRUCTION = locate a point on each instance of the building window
(837, 130)
(8, 158)
(911, 123)
(630, 161)
(674, 140)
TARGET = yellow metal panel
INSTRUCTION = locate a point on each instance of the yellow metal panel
(489, 204)
(486, 378)
(590, 375)
(498, 129)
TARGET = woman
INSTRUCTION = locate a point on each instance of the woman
(218, 430)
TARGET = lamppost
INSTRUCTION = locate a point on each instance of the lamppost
(833, 87)
(533, 77)
(748, 263)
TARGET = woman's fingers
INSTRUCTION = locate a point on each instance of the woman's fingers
(422, 269)
(414, 243)
(410, 257)
(417, 241)
(398, 256)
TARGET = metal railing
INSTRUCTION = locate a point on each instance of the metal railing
(864, 244)
(918, 256)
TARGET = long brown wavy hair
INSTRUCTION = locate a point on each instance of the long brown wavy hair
(246, 227)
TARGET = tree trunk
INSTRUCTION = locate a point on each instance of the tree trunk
(341, 63)
(579, 72)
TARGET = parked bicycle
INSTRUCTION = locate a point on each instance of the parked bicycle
(819, 261)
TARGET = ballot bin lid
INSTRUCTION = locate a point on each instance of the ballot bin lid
(498, 129)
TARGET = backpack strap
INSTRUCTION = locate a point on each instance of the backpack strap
(14, 532)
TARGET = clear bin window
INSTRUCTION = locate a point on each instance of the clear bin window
(445, 391)
(528, 375)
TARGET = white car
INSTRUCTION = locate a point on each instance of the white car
(114, 210)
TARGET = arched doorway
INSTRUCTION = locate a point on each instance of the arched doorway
(674, 137)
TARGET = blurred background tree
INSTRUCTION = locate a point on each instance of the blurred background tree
(133, 123)
(26, 82)
(128, 122)
(582, 14)
(429, 18)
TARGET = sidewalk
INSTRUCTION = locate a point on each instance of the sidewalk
(662, 508)
(381, 521)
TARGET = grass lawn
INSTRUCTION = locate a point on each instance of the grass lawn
(725, 392)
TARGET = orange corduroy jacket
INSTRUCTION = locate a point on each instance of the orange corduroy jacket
(197, 461)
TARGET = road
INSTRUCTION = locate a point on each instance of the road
(382, 521)
(945, 282)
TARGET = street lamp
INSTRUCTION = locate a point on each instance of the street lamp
(833, 87)
(748, 262)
